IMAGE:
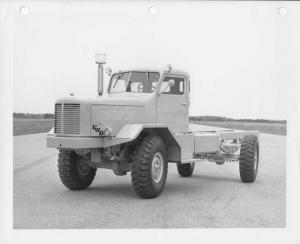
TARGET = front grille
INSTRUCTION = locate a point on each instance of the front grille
(71, 118)
(67, 118)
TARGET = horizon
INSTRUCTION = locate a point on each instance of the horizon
(216, 116)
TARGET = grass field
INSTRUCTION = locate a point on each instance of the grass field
(31, 126)
(269, 128)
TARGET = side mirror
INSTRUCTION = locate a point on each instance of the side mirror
(168, 68)
(108, 71)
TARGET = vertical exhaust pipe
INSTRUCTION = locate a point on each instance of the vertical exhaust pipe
(100, 59)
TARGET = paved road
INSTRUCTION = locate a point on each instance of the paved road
(213, 197)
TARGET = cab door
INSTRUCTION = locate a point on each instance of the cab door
(173, 103)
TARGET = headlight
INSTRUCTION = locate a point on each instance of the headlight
(107, 131)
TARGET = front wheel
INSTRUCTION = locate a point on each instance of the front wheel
(149, 170)
(249, 158)
(74, 170)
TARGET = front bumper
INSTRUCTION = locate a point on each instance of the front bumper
(61, 142)
(74, 142)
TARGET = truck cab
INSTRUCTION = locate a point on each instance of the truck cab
(165, 95)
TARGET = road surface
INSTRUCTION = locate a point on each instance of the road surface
(213, 197)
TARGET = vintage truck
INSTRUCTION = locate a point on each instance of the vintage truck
(139, 126)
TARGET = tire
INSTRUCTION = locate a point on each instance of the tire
(148, 179)
(73, 171)
(185, 170)
(249, 158)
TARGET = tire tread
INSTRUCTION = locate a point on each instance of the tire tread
(246, 165)
(68, 173)
(185, 170)
(141, 170)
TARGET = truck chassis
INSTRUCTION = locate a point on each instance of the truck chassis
(139, 127)
(147, 154)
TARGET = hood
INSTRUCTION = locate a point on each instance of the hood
(113, 111)
(127, 99)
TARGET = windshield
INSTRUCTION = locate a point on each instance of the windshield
(134, 81)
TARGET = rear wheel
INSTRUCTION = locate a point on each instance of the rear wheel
(149, 171)
(249, 158)
(185, 170)
(74, 170)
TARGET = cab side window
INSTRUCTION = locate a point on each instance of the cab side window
(177, 89)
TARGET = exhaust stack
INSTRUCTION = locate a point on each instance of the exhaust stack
(100, 59)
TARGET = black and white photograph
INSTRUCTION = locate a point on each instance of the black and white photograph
(154, 116)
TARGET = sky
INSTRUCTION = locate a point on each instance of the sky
(240, 55)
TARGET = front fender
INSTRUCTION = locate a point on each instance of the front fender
(131, 131)
(127, 133)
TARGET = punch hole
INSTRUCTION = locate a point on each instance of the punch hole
(152, 10)
(23, 10)
(282, 11)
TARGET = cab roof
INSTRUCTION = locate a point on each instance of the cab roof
(161, 71)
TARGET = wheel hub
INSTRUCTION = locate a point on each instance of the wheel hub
(157, 167)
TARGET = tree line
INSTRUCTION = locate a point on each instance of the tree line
(192, 118)
(33, 116)
(224, 119)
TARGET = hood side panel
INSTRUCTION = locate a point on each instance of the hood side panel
(115, 116)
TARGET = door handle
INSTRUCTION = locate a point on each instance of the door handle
(184, 104)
